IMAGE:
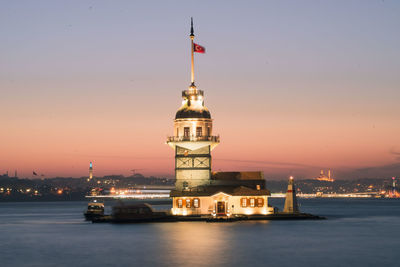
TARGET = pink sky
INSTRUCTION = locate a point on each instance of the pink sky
(291, 89)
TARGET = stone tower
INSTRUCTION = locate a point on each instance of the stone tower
(192, 140)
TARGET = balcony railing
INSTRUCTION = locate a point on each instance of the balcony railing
(192, 92)
(192, 138)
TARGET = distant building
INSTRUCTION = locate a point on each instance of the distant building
(323, 177)
(90, 172)
(198, 190)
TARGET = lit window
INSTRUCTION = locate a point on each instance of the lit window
(187, 203)
(244, 202)
(180, 202)
(260, 202)
(177, 131)
(196, 202)
(252, 202)
(198, 131)
(186, 131)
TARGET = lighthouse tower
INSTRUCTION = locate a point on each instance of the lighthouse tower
(192, 140)
(291, 200)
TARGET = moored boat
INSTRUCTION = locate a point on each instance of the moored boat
(142, 212)
(94, 210)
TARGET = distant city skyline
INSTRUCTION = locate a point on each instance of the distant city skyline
(293, 87)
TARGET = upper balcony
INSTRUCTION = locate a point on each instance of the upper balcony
(192, 138)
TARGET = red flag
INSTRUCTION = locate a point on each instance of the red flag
(198, 48)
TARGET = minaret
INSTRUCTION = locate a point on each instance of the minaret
(192, 140)
(291, 201)
(90, 171)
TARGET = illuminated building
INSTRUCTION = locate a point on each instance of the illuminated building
(90, 172)
(323, 177)
(198, 190)
(393, 193)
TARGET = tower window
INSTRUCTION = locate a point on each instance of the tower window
(188, 203)
(177, 131)
(186, 131)
(196, 203)
(180, 203)
(208, 130)
(199, 131)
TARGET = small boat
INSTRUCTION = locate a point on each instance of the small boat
(94, 210)
(142, 212)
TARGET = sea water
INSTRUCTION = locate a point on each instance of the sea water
(357, 232)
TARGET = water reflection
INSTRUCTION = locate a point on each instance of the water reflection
(55, 234)
(202, 243)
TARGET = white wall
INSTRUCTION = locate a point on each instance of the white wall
(208, 205)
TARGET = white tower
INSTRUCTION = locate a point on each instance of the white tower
(192, 140)
(291, 200)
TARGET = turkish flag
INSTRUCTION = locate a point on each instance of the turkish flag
(198, 48)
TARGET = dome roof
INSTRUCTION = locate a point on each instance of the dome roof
(187, 113)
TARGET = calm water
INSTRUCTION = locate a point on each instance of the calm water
(357, 233)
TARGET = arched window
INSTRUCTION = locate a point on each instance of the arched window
(188, 203)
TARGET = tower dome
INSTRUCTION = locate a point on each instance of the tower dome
(193, 105)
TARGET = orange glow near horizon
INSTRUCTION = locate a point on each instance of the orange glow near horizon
(277, 145)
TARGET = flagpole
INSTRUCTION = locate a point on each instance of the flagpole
(192, 50)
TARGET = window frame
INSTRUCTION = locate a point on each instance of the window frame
(252, 202)
(198, 203)
(260, 202)
(199, 131)
(243, 202)
(186, 131)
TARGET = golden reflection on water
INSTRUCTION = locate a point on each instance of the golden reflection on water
(205, 244)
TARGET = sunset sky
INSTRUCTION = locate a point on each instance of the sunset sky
(292, 86)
